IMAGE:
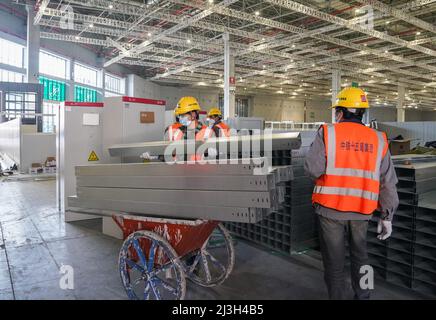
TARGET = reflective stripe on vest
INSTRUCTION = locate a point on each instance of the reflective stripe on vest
(353, 182)
(207, 133)
(347, 192)
(223, 129)
(174, 133)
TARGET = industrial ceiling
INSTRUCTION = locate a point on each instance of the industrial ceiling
(280, 46)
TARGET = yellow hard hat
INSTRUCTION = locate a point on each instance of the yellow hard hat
(351, 98)
(214, 112)
(185, 105)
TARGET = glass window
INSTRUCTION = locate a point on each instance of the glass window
(53, 90)
(114, 84)
(49, 109)
(86, 75)
(83, 94)
(111, 94)
(53, 65)
(24, 104)
(11, 53)
(241, 106)
(10, 76)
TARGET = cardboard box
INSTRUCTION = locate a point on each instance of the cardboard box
(49, 169)
(50, 162)
(397, 147)
(35, 168)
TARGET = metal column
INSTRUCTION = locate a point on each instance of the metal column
(401, 111)
(33, 43)
(70, 85)
(336, 87)
(229, 80)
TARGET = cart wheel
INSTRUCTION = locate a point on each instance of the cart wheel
(153, 273)
(213, 263)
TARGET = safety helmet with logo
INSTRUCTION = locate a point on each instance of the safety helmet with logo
(351, 98)
(215, 112)
(185, 105)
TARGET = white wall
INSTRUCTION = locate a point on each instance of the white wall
(35, 148)
(418, 131)
(277, 108)
(429, 116)
(25, 148)
(413, 115)
(29, 128)
(270, 107)
(383, 114)
(10, 139)
(141, 88)
(206, 98)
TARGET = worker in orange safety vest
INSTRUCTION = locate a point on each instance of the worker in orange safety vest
(354, 175)
(187, 120)
(214, 119)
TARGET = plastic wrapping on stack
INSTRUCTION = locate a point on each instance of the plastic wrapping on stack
(408, 257)
(293, 227)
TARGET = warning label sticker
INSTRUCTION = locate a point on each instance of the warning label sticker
(93, 156)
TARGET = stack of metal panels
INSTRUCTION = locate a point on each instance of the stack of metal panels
(292, 227)
(223, 192)
(408, 257)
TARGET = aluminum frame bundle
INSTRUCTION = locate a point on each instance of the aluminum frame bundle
(240, 192)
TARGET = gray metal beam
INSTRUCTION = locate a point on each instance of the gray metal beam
(278, 141)
(245, 199)
(217, 183)
(109, 207)
(163, 169)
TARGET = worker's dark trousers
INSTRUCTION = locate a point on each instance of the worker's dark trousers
(333, 234)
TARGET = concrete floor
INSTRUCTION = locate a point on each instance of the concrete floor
(35, 242)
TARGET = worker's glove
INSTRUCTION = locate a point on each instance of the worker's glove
(147, 156)
(211, 153)
(384, 229)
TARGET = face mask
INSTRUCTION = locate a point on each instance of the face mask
(185, 121)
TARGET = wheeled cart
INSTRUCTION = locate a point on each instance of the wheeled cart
(159, 254)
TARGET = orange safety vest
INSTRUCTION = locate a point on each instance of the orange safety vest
(176, 133)
(221, 129)
(352, 179)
